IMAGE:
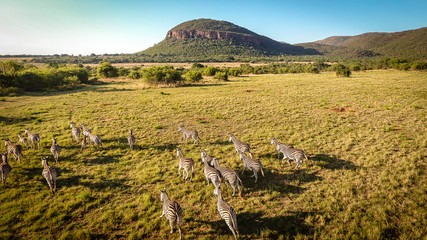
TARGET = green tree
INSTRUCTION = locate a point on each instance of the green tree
(221, 76)
(106, 70)
(161, 75)
(193, 76)
(210, 71)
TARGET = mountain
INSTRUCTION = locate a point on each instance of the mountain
(213, 39)
(411, 44)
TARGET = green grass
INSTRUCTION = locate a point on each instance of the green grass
(365, 178)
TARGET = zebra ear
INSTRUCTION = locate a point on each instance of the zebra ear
(164, 190)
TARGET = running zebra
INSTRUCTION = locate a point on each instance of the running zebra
(213, 174)
(230, 175)
(85, 131)
(131, 139)
(186, 134)
(75, 131)
(251, 164)
(22, 139)
(278, 146)
(95, 140)
(240, 146)
(33, 138)
(227, 213)
(49, 173)
(14, 149)
(171, 210)
(291, 153)
(55, 149)
(5, 168)
(207, 158)
(186, 164)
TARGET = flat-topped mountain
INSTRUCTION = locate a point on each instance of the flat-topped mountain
(213, 38)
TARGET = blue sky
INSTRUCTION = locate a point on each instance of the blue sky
(128, 26)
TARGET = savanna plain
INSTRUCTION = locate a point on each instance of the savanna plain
(365, 138)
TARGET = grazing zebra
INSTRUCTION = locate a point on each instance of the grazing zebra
(240, 146)
(230, 175)
(75, 131)
(84, 144)
(85, 131)
(213, 174)
(55, 149)
(186, 164)
(186, 134)
(4, 168)
(131, 139)
(95, 140)
(49, 173)
(207, 158)
(251, 164)
(171, 210)
(227, 213)
(14, 149)
(22, 139)
(33, 138)
(291, 153)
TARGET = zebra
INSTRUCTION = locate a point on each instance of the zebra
(22, 139)
(49, 173)
(14, 149)
(5, 168)
(230, 175)
(85, 131)
(171, 210)
(251, 164)
(227, 213)
(95, 140)
(75, 131)
(240, 146)
(131, 139)
(186, 164)
(186, 134)
(278, 146)
(291, 153)
(33, 138)
(206, 157)
(213, 174)
(55, 149)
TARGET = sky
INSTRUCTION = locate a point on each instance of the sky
(129, 26)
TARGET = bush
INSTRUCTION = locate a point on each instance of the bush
(343, 72)
(210, 71)
(161, 75)
(106, 70)
(235, 72)
(193, 76)
(419, 66)
(221, 76)
(311, 69)
(246, 68)
(134, 74)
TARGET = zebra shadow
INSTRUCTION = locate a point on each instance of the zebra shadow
(90, 182)
(167, 146)
(332, 163)
(15, 120)
(102, 159)
(252, 224)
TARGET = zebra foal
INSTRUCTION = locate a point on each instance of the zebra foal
(14, 149)
(186, 134)
(240, 146)
(75, 131)
(171, 210)
(186, 164)
(251, 164)
(33, 138)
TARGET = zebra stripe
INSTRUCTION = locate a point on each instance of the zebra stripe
(171, 210)
(240, 146)
(291, 153)
(55, 149)
(5, 169)
(227, 213)
(230, 175)
(49, 173)
(251, 164)
(186, 164)
(212, 174)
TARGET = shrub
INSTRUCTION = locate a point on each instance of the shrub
(134, 74)
(193, 76)
(106, 70)
(343, 72)
(235, 72)
(246, 68)
(419, 66)
(161, 75)
(221, 76)
(210, 71)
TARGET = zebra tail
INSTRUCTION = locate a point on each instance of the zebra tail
(240, 181)
(305, 156)
(199, 138)
(262, 172)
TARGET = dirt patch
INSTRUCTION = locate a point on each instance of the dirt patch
(249, 90)
(343, 109)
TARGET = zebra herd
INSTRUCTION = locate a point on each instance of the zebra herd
(171, 209)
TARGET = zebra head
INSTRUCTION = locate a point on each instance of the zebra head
(231, 138)
(204, 154)
(72, 124)
(27, 131)
(44, 161)
(180, 128)
(7, 142)
(179, 152)
(163, 194)
(273, 141)
(4, 157)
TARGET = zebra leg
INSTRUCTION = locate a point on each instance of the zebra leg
(234, 189)
(179, 170)
(256, 176)
(244, 166)
(171, 224)
(207, 179)
(250, 154)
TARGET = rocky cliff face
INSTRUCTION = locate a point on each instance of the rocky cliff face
(182, 34)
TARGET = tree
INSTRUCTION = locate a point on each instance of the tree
(106, 70)
(221, 76)
(193, 76)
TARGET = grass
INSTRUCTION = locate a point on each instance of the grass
(365, 178)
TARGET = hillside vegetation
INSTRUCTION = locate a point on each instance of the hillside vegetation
(365, 138)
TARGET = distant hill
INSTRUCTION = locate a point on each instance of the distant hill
(411, 44)
(207, 38)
